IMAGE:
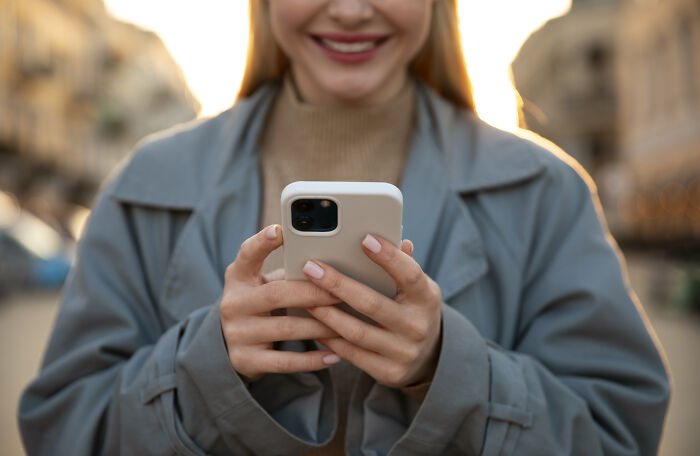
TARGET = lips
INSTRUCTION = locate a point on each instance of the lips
(350, 44)
(360, 46)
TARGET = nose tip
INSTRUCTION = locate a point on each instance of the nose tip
(350, 12)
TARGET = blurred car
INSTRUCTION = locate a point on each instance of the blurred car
(32, 253)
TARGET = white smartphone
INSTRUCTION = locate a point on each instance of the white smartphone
(328, 220)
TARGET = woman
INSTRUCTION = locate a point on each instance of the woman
(514, 331)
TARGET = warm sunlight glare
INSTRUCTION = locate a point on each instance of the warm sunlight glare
(492, 33)
(209, 38)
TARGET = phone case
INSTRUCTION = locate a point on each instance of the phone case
(363, 207)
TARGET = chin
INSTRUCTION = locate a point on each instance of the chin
(352, 97)
(352, 91)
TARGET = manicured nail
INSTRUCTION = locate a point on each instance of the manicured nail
(372, 244)
(331, 359)
(271, 232)
(313, 270)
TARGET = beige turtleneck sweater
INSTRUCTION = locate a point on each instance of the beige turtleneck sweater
(306, 142)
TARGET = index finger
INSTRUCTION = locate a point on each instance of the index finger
(401, 266)
(253, 252)
(359, 296)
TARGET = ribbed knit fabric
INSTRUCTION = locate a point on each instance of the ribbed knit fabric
(306, 142)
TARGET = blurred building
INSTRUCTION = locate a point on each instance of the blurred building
(659, 97)
(78, 89)
(616, 84)
(565, 76)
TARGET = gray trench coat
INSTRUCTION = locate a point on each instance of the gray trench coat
(544, 349)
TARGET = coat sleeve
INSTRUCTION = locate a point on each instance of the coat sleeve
(115, 381)
(584, 376)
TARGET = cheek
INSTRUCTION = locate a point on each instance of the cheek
(287, 21)
(412, 19)
(420, 32)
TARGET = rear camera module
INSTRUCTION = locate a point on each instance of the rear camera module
(315, 215)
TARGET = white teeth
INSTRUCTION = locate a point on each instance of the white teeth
(361, 46)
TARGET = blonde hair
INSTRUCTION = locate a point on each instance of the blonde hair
(440, 63)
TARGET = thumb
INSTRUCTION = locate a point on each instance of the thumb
(253, 252)
(407, 247)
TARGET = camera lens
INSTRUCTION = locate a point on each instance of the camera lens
(303, 205)
(314, 215)
(304, 223)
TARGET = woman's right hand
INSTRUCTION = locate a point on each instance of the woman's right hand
(248, 327)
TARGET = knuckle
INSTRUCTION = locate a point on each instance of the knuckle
(410, 353)
(390, 254)
(314, 293)
(322, 312)
(233, 334)
(227, 307)
(325, 297)
(418, 330)
(394, 375)
(313, 328)
(274, 294)
(373, 304)
(285, 327)
(228, 274)
(414, 275)
(248, 244)
(245, 253)
(435, 291)
(312, 363)
(233, 299)
(334, 281)
(357, 334)
(347, 351)
(282, 364)
(237, 358)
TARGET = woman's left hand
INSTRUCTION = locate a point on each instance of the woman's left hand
(403, 349)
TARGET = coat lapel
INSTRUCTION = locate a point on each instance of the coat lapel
(225, 216)
(447, 243)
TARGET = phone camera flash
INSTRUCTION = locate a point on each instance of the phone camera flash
(325, 204)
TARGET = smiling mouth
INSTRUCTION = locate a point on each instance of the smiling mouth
(353, 46)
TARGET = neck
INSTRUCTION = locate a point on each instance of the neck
(352, 96)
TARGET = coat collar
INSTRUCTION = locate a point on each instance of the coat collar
(179, 166)
(476, 155)
(452, 153)
(447, 243)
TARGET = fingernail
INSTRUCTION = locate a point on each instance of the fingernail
(271, 232)
(331, 359)
(313, 270)
(372, 244)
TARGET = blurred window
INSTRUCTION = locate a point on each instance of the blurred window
(688, 58)
(111, 120)
(659, 90)
(601, 150)
(109, 59)
(597, 57)
(161, 98)
(649, 93)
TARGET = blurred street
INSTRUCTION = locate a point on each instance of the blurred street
(26, 320)
(25, 324)
(614, 83)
